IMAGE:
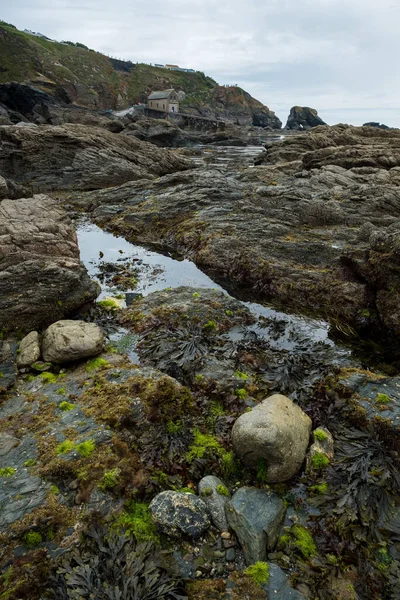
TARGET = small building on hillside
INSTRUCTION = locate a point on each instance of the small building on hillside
(172, 67)
(164, 101)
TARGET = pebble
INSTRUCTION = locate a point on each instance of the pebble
(198, 573)
(230, 554)
(228, 543)
(226, 535)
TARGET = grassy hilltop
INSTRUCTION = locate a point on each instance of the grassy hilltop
(74, 73)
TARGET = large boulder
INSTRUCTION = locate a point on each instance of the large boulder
(274, 436)
(67, 341)
(303, 118)
(80, 157)
(256, 516)
(177, 513)
(41, 276)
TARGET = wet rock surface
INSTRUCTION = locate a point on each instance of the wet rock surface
(312, 227)
(86, 447)
(41, 276)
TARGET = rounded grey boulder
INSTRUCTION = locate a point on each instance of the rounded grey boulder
(275, 432)
(177, 513)
(66, 341)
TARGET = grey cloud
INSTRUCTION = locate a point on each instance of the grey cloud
(336, 55)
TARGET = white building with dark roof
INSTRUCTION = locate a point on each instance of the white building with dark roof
(164, 101)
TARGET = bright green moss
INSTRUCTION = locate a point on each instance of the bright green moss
(86, 448)
(48, 377)
(66, 406)
(96, 363)
(54, 489)
(202, 444)
(303, 541)
(382, 399)
(196, 295)
(109, 304)
(110, 479)
(61, 391)
(241, 393)
(241, 375)
(229, 313)
(30, 463)
(259, 572)
(321, 488)
(32, 539)
(319, 460)
(320, 435)
(65, 447)
(7, 471)
(210, 326)
(136, 520)
(222, 490)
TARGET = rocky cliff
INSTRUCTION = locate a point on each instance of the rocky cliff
(77, 75)
(303, 118)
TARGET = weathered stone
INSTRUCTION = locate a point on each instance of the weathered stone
(215, 495)
(41, 276)
(78, 156)
(66, 341)
(177, 513)
(256, 516)
(303, 118)
(29, 350)
(275, 433)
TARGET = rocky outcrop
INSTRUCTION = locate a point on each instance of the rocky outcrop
(302, 118)
(56, 158)
(177, 513)
(313, 226)
(375, 124)
(231, 103)
(68, 341)
(156, 131)
(274, 434)
(26, 103)
(41, 276)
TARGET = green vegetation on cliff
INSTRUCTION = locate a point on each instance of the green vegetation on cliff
(74, 73)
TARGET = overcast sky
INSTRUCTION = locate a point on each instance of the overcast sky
(341, 57)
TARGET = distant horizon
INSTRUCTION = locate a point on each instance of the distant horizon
(284, 66)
